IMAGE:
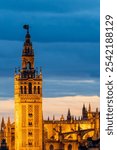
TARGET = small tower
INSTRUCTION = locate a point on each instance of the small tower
(8, 133)
(69, 117)
(62, 118)
(89, 114)
(28, 101)
(89, 108)
(9, 122)
(84, 112)
(53, 118)
(2, 124)
(48, 118)
(3, 128)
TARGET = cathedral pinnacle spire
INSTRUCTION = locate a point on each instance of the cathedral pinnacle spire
(2, 124)
(8, 122)
(89, 107)
(69, 115)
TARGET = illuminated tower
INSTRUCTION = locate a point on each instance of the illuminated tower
(28, 101)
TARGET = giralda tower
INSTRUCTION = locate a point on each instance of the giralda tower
(28, 101)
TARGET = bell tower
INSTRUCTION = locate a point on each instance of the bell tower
(28, 101)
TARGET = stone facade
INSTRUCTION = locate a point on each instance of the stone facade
(60, 134)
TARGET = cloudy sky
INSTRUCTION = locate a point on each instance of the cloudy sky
(65, 36)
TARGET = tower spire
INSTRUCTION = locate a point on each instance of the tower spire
(2, 124)
(8, 122)
(89, 107)
(28, 50)
(69, 115)
(28, 100)
(28, 70)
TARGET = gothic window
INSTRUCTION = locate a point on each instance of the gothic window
(30, 88)
(21, 89)
(30, 115)
(38, 89)
(30, 111)
(34, 89)
(24, 89)
(51, 147)
(30, 142)
(69, 147)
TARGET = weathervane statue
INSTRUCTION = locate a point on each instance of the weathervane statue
(26, 26)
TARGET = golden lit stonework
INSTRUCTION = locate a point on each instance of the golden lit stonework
(28, 102)
(30, 131)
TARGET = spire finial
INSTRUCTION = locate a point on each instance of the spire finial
(26, 26)
(69, 113)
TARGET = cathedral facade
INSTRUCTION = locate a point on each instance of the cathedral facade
(30, 131)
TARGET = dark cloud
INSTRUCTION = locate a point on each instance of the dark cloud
(66, 33)
(61, 59)
(71, 28)
(49, 5)
(56, 87)
(51, 20)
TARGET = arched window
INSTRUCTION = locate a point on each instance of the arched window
(30, 88)
(21, 89)
(34, 89)
(38, 89)
(30, 142)
(30, 115)
(28, 66)
(69, 147)
(29, 133)
(24, 89)
(30, 123)
(51, 147)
